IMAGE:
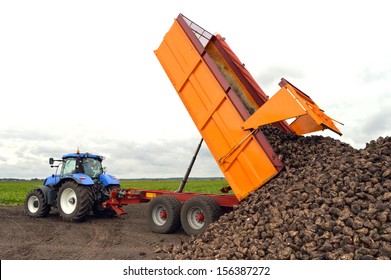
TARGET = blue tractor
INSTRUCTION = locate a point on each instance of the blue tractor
(80, 187)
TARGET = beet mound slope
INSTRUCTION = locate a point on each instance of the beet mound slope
(330, 202)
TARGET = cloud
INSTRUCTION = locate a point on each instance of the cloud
(97, 64)
(159, 158)
(368, 118)
(25, 134)
(378, 123)
(25, 167)
(124, 158)
(372, 74)
(272, 74)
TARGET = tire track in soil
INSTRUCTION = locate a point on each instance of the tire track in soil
(125, 237)
(16, 236)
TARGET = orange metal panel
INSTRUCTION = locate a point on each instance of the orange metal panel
(177, 56)
(239, 156)
(280, 107)
(290, 102)
(305, 124)
(320, 119)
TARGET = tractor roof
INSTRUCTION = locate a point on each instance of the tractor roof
(79, 155)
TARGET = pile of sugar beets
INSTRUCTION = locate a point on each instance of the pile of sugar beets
(330, 202)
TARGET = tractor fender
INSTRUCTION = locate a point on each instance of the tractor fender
(52, 180)
(49, 193)
(108, 180)
(80, 178)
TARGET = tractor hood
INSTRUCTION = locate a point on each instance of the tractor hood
(108, 180)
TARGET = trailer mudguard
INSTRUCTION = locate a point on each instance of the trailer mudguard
(108, 180)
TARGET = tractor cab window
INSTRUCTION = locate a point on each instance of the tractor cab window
(69, 167)
(92, 167)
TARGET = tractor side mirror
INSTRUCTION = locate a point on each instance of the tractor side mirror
(51, 161)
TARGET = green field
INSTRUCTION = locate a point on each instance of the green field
(14, 192)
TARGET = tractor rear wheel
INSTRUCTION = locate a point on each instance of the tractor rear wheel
(35, 204)
(74, 202)
(164, 214)
(198, 212)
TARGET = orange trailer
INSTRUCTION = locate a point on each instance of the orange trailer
(228, 107)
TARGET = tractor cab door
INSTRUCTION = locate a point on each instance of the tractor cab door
(71, 166)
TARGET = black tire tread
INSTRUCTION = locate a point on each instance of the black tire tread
(84, 205)
(44, 209)
(210, 207)
(173, 207)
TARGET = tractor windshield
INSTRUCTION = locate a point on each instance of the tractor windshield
(69, 167)
(92, 167)
(89, 166)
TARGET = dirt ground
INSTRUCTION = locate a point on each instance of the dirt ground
(120, 238)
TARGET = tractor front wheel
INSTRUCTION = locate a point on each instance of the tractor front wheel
(74, 202)
(35, 204)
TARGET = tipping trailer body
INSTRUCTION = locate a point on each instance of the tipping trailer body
(228, 107)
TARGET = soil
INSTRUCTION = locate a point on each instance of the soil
(127, 237)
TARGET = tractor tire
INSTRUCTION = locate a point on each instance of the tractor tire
(198, 212)
(35, 204)
(163, 215)
(74, 202)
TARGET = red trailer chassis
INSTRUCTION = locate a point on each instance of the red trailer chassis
(121, 197)
(168, 210)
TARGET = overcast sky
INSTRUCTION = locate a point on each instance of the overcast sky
(83, 74)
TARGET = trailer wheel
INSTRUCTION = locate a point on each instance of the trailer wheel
(35, 204)
(74, 201)
(198, 212)
(163, 214)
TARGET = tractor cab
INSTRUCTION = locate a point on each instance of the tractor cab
(88, 164)
(84, 168)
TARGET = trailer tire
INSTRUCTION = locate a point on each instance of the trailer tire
(198, 212)
(74, 201)
(163, 215)
(35, 204)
